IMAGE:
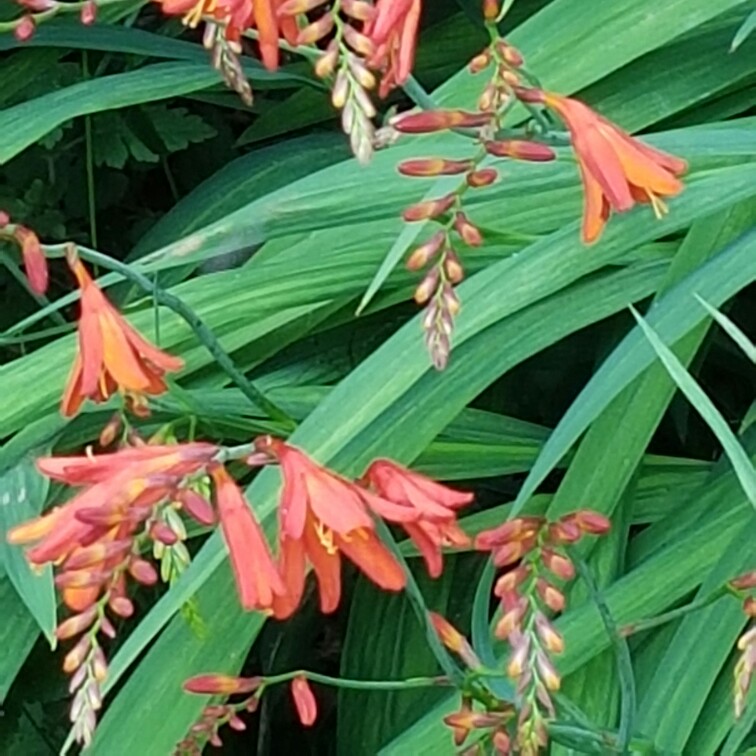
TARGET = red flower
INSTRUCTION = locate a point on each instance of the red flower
(304, 700)
(35, 261)
(112, 355)
(393, 32)
(617, 170)
(237, 16)
(322, 516)
(434, 505)
(257, 578)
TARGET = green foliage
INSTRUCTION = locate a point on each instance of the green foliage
(555, 399)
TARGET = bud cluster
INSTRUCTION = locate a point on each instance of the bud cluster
(746, 663)
(344, 59)
(438, 255)
(216, 715)
(529, 591)
(33, 255)
(224, 57)
(37, 11)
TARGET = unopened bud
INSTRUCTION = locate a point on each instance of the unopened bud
(749, 606)
(521, 651)
(470, 234)
(745, 581)
(75, 657)
(35, 261)
(421, 256)
(326, 63)
(196, 506)
(550, 595)
(358, 9)
(591, 522)
(513, 530)
(340, 90)
(143, 572)
(121, 606)
(483, 177)
(88, 13)
(76, 624)
(521, 149)
(304, 700)
(427, 287)
(360, 43)
(490, 9)
(221, 685)
(510, 54)
(438, 120)
(559, 565)
(511, 620)
(507, 584)
(429, 209)
(547, 672)
(364, 77)
(526, 94)
(564, 531)
(81, 578)
(487, 99)
(510, 77)
(550, 638)
(4, 219)
(315, 31)
(159, 531)
(25, 29)
(434, 167)
(111, 430)
(453, 268)
(480, 62)
(99, 665)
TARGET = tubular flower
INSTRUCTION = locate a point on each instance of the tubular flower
(617, 170)
(112, 355)
(434, 505)
(322, 516)
(237, 16)
(393, 33)
(257, 578)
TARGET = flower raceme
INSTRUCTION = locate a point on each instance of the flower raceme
(617, 170)
(112, 355)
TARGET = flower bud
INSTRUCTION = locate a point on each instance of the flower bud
(88, 13)
(519, 659)
(591, 522)
(221, 685)
(143, 572)
(511, 78)
(340, 91)
(429, 209)
(35, 261)
(470, 234)
(315, 31)
(75, 657)
(96, 554)
(358, 9)
(480, 62)
(196, 506)
(521, 149)
(364, 77)
(564, 531)
(4, 219)
(121, 606)
(434, 167)
(745, 581)
(490, 9)
(511, 620)
(547, 672)
(550, 638)
(559, 565)
(526, 94)
(749, 606)
(25, 29)
(427, 287)
(111, 430)
(488, 98)
(81, 578)
(453, 268)
(483, 177)
(326, 63)
(507, 584)
(423, 254)
(510, 54)
(76, 624)
(512, 530)
(304, 700)
(428, 121)
(99, 665)
(360, 43)
(550, 595)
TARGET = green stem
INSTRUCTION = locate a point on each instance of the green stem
(91, 198)
(201, 330)
(345, 682)
(60, 8)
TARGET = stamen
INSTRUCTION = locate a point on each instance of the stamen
(659, 206)
(325, 536)
(194, 16)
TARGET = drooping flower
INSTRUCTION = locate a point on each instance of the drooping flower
(323, 516)
(256, 575)
(237, 16)
(617, 170)
(35, 261)
(435, 523)
(112, 355)
(304, 700)
(393, 33)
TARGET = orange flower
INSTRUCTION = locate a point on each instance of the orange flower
(304, 700)
(237, 16)
(393, 32)
(112, 355)
(257, 578)
(35, 261)
(435, 523)
(617, 170)
(322, 516)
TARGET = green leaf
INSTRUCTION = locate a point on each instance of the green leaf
(23, 492)
(732, 330)
(18, 633)
(698, 398)
(744, 31)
